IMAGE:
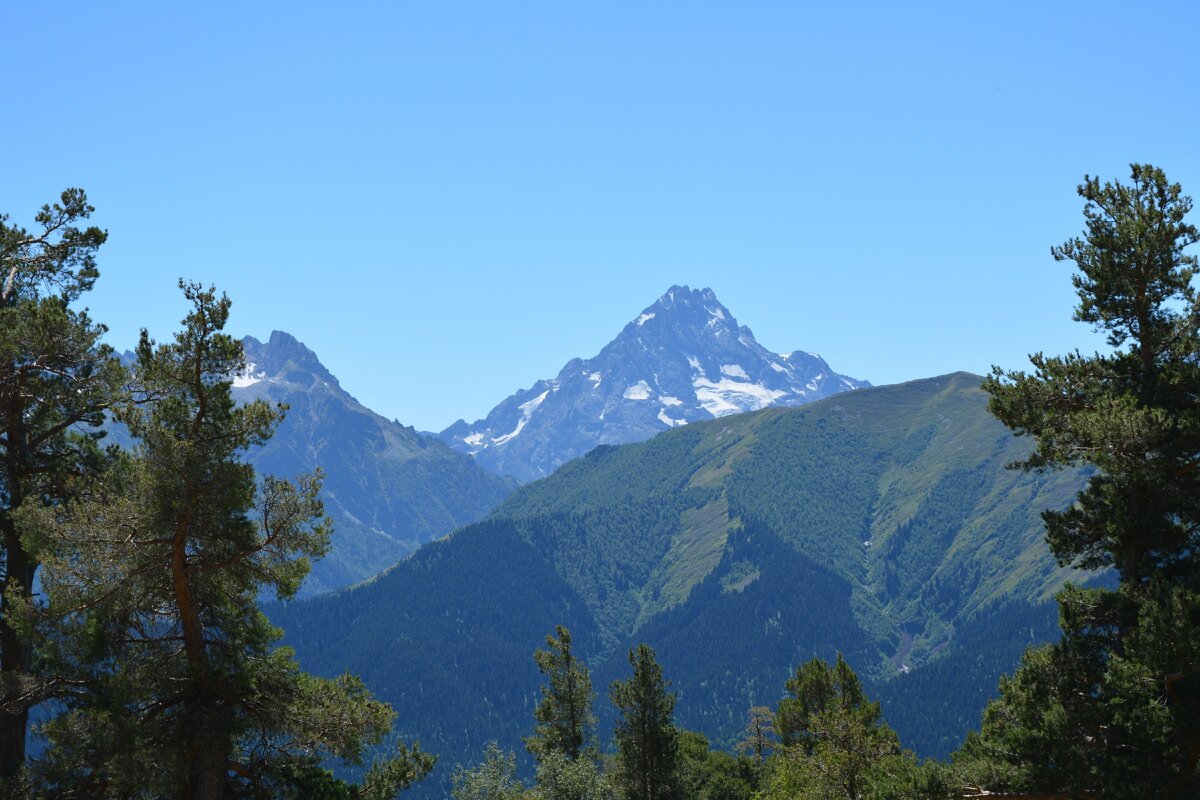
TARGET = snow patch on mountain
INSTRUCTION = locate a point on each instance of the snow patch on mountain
(665, 420)
(694, 362)
(508, 437)
(733, 397)
(528, 408)
(639, 391)
(734, 371)
(249, 376)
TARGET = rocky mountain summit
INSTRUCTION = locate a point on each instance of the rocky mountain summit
(683, 359)
(387, 487)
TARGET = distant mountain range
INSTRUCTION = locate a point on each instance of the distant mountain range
(388, 488)
(684, 359)
(881, 523)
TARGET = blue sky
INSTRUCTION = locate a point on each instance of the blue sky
(448, 201)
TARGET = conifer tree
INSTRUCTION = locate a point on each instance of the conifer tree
(758, 736)
(646, 738)
(494, 779)
(56, 380)
(816, 687)
(157, 573)
(1113, 709)
(838, 746)
(565, 722)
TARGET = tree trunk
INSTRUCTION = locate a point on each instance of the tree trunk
(209, 769)
(16, 655)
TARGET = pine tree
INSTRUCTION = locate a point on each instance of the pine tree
(560, 778)
(838, 745)
(56, 380)
(157, 573)
(1113, 708)
(817, 687)
(758, 736)
(494, 779)
(646, 738)
(565, 722)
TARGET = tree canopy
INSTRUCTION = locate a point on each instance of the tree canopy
(56, 381)
(1112, 709)
(146, 633)
(646, 738)
(565, 722)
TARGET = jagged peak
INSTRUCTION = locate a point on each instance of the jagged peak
(682, 301)
(281, 350)
(683, 295)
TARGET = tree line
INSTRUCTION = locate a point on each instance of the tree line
(128, 612)
(825, 739)
(130, 577)
(1111, 710)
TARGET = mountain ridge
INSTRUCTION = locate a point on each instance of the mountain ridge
(684, 359)
(387, 487)
(749, 532)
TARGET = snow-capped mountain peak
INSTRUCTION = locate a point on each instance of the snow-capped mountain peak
(682, 359)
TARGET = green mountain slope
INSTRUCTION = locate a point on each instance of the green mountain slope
(388, 488)
(880, 523)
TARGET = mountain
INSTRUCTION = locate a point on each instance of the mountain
(881, 523)
(682, 360)
(387, 487)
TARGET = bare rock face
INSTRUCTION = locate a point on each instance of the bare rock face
(683, 359)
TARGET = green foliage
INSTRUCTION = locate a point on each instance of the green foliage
(933, 707)
(1132, 413)
(815, 689)
(494, 779)
(175, 687)
(686, 538)
(565, 723)
(646, 739)
(1109, 710)
(56, 381)
(614, 574)
(561, 778)
(453, 648)
(754, 638)
(836, 747)
(707, 774)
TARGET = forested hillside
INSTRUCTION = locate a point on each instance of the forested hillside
(750, 558)
(880, 523)
(387, 487)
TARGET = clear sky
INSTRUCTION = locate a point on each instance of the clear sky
(448, 201)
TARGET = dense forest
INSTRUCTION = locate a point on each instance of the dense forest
(641, 543)
(1109, 710)
(135, 658)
